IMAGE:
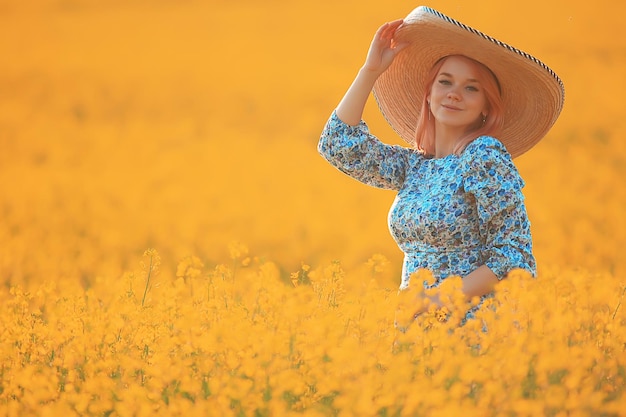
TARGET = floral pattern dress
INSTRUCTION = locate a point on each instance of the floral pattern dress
(452, 214)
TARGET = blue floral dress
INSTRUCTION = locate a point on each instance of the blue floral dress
(451, 215)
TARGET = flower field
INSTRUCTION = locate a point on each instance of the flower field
(171, 243)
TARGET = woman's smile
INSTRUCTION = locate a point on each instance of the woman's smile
(450, 107)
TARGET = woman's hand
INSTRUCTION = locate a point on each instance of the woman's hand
(383, 48)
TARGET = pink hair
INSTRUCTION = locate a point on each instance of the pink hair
(425, 130)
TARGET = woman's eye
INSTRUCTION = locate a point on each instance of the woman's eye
(444, 82)
(472, 88)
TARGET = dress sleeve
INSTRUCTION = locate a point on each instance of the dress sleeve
(494, 182)
(356, 152)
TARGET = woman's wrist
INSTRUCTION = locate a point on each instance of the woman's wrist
(371, 74)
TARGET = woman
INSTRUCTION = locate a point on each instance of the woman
(467, 104)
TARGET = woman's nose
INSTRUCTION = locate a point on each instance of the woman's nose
(453, 95)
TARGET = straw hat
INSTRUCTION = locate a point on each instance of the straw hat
(532, 93)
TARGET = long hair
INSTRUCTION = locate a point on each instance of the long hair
(425, 130)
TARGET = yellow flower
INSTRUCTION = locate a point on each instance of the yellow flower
(237, 250)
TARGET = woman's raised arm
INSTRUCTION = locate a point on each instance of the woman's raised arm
(382, 51)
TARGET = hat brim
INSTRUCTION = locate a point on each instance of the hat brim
(532, 93)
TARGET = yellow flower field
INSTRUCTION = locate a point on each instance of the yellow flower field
(172, 244)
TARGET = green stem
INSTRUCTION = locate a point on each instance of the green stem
(619, 303)
(145, 291)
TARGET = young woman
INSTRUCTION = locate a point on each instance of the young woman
(467, 104)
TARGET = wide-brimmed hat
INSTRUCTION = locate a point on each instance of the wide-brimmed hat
(532, 93)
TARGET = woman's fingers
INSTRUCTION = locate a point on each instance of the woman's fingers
(391, 27)
(384, 48)
(387, 31)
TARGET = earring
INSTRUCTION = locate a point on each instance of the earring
(484, 119)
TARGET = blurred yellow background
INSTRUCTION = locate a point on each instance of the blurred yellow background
(186, 125)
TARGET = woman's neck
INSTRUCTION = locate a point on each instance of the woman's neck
(446, 139)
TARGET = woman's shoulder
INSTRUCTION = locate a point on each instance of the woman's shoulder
(487, 158)
(486, 145)
(486, 150)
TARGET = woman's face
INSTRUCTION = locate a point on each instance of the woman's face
(457, 99)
